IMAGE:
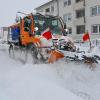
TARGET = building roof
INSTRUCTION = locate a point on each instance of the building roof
(49, 1)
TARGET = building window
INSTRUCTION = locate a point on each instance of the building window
(99, 28)
(47, 10)
(67, 2)
(94, 11)
(52, 8)
(80, 29)
(99, 10)
(40, 11)
(67, 17)
(70, 30)
(96, 28)
(78, 1)
(80, 13)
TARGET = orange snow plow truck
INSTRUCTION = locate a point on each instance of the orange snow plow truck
(45, 35)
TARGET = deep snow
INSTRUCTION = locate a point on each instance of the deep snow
(30, 82)
(58, 81)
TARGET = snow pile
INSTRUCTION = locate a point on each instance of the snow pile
(3, 44)
(48, 81)
(81, 80)
(30, 82)
(96, 51)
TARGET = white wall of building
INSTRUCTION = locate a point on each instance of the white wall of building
(48, 5)
(91, 20)
(65, 10)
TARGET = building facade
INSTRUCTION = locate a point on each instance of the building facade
(79, 15)
(4, 33)
(50, 8)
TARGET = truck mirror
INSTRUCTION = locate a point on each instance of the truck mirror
(65, 32)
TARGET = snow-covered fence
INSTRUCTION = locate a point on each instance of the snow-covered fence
(96, 42)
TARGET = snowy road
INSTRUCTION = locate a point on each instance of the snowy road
(47, 82)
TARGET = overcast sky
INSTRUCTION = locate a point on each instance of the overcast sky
(9, 8)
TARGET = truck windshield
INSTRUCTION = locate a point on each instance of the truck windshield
(43, 23)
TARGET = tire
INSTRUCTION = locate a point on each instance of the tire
(11, 51)
(34, 52)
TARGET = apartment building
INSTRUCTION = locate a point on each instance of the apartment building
(79, 15)
(50, 8)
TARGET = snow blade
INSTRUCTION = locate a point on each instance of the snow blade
(55, 55)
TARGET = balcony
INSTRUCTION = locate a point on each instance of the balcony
(79, 5)
(79, 21)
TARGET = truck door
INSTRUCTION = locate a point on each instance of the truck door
(27, 29)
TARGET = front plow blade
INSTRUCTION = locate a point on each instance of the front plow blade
(55, 55)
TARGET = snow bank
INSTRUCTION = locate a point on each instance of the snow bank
(47, 81)
(23, 84)
(30, 82)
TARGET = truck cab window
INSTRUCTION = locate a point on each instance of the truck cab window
(27, 24)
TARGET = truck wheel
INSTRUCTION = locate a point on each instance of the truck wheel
(11, 51)
(34, 53)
